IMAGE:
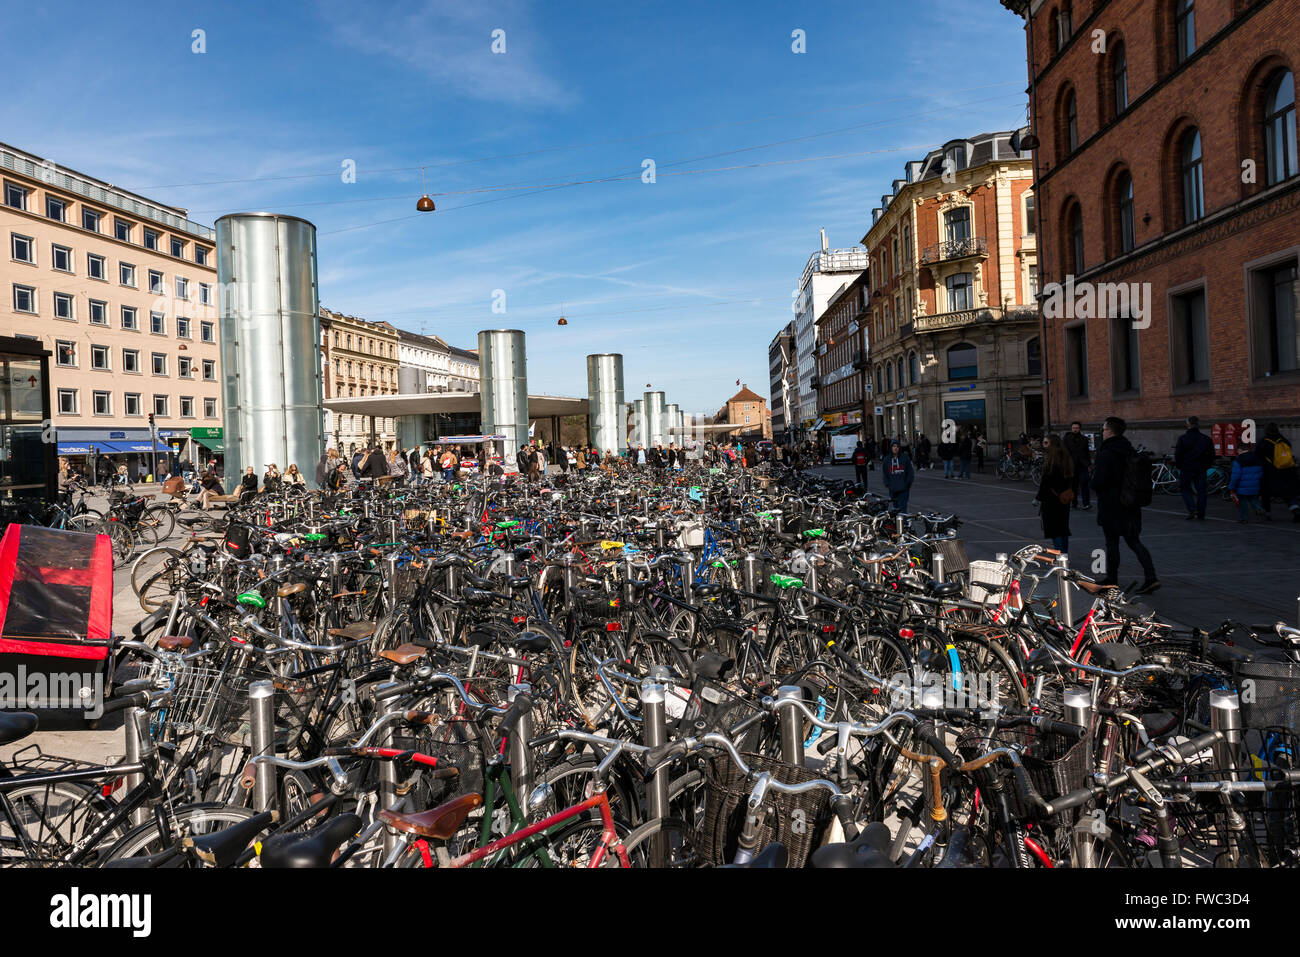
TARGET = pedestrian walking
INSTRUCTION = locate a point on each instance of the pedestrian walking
(1056, 492)
(923, 452)
(861, 460)
(898, 475)
(947, 453)
(1281, 477)
(965, 449)
(1121, 493)
(1246, 481)
(1076, 443)
(1193, 454)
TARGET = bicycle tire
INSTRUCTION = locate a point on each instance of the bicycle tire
(204, 818)
(682, 852)
(80, 808)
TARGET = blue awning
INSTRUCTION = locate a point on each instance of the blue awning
(111, 448)
(73, 448)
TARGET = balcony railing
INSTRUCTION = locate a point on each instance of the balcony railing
(967, 317)
(968, 248)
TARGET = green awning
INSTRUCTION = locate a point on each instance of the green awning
(210, 437)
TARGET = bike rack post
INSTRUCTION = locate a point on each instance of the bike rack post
(751, 568)
(261, 725)
(1064, 596)
(1078, 705)
(1225, 716)
(521, 770)
(686, 562)
(791, 727)
(936, 565)
(387, 788)
(136, 727)
(654, 729)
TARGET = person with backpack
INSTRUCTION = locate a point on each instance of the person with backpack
(1245, 482)
(1281, 478)
(860, 461)
(1121, 477)
(899, 475)
(1056, 492)
(1193, 454)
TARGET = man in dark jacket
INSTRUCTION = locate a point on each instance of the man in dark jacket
(358, 460)
(321, 473)
(1193, 454)
(923, 452)
(1076, 443)
(1116, 519)
(375, 466)
(860, 460)
(965, 450)
(898, 476)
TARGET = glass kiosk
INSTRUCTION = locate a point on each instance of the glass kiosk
(28, 469)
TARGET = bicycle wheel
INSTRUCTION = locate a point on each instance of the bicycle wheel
(678, 842)
(572, 844)
(48, 821)
(162, 519)
(123, 541)
(192, 819)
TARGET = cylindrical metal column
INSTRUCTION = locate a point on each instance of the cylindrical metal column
(261, 730)
(791, 726)
(654, 418)
(654, 730)
(638, 423)
(503, 395)
(1064, 596)
(605, 406)
(521, 770)
(1225, 716)
(270, 341)
(138, 743)
(671, 411)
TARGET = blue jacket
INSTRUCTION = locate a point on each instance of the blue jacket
(898, 472)
(1247, 474)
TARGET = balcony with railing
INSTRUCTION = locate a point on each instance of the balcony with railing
(941, 321)
(972, 247)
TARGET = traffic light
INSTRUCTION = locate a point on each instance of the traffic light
(151, 418)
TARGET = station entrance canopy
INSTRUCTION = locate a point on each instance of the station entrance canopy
(432, 403)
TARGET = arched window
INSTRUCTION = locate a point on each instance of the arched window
(1074, 237)
(1280, 128)
(1190, 176)
(1124, 200)
(1119, 77)
(900, 372)
(878, 381)
(914, 369)
(889, 377)
(1185, 28)
(963, 361)
(1034, 355)
(1071, 122)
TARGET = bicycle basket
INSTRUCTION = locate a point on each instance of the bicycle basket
(1056, 764)
(796, 820)
(1270, 694)
(953, 551)
(989, 581)
(203, 698)
(444, 743)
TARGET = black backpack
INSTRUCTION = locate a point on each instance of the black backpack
(1135, 485)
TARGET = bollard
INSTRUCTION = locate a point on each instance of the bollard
(1078, 705)
(936, 566)
(1064, 597)
(686, 561)
(1225, 716)
(520, 758)
(261, 723)
(778, 520)
(791, 726)
(654, 730)
(661, 537)
(136, 728)
(387, 787)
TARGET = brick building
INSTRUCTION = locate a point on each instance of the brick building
(843, 380)
(361, 358)
(1166, 161)
(748, 412)
(953, 269)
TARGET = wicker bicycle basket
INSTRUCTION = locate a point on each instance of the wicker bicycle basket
(1056, 764)
(796, 820)
(1270, 694)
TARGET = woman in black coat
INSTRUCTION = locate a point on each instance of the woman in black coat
(1058, 481)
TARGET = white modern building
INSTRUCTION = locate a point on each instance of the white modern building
(826, 271)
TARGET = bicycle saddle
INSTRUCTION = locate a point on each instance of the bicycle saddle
(1225, 656)
(438, 823)
(518, 582)
(532, 641)
(707, 589)
(1115, 655)
(869, 849)
(16, 726)
(478, 582)
(477, 596)
(942, 589)
(222, 848)
(314, 848)
(449, 559)
(772, 857)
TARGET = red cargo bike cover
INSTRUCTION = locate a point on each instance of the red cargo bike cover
(56, 593)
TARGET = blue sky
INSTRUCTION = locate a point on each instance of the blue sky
(688, 277)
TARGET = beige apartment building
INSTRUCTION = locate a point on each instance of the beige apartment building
(361, 358)
(122, 291)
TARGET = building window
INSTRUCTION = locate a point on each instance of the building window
(187, 407)
(131, 361)
(182, 328)
(182, 288)
(95, 267)
(103, 402)
(1034, 357)
(205, 294)
(15, 196)
(89, 220)
(959, 292)
(963, 361)
(1076, 362)
(1280, 128)
(1125, 375)
(1275, 300)
(1072, 122)
(1032, 273)
(956, 224)
(65, 353)
(1189, 339)
(126, 274)
(24, 299)
(200, 255)
(1124, 193)
(151, 239)
(889, 377)
(132, 403)
(184, 367)
(56, 209)
(207, 332)
(913, 369)
(22, 248)
(60, 258)
(157, 324)
(68, 402)
(98, 312)
(1075, 221)
(160, 363)
(63, 306)
(1193, 194)
(121, 230)
(209, 408)
(155, 282)
(160, 405)
(1185, 28)
(210, 369)
(1119, 77)
(1031, 218)
(99, 357)
(129, 320)
(879, 386)
(1064, 26)
(178, 247)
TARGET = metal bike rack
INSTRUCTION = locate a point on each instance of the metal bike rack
(261, 725)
